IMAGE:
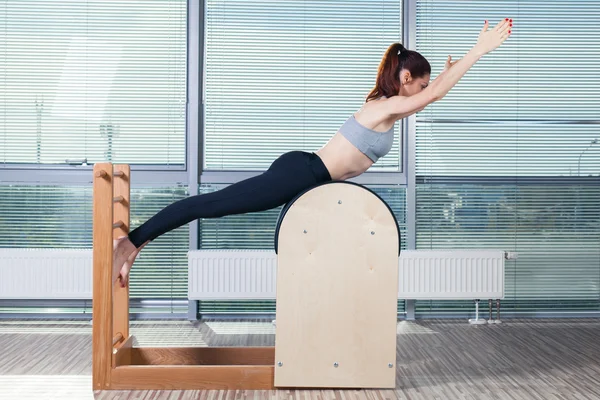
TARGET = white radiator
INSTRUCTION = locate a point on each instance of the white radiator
(451, 274)
(424, 274)
(45, 274)
(231, 274)
(250, 274)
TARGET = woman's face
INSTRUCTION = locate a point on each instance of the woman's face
(411, 86)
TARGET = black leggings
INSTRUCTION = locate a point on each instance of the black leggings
(287, 176)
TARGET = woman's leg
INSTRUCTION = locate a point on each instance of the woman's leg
(288, 175)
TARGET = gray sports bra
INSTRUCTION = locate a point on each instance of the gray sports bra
(372, 143)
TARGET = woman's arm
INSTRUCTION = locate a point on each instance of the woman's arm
(488, 40)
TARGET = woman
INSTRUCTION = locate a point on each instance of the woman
(402, 88)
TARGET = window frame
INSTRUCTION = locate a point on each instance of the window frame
(142, 175)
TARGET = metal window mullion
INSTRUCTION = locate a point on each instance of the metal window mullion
(409, 27)
(193, 122)
(67, 177)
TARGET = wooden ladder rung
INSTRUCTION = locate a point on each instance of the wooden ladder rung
(118, 199)
(118, 338)
(119, 224)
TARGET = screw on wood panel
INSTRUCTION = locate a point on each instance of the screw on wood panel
(280, 364)
(336, 364)
(305, 231)
(372, 232)
(339, 202)
(390, 365)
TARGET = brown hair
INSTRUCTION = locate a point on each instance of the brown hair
(395, 59)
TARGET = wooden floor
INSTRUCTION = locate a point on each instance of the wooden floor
(540, 359)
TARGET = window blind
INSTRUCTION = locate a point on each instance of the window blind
(61, 217)
(93, 80)
(510, 158)
(285, 75)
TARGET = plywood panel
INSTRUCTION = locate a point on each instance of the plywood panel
(337, 285)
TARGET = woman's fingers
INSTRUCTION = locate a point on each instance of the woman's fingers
(501, 24)
(505, 27)
(485, 27)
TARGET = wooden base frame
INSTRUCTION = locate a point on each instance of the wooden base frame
(192, 368)
(116, 364)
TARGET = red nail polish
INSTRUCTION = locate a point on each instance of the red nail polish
(511, 24)
(509, 32)
(506, 19)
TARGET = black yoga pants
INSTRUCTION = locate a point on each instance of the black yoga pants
(287, 176)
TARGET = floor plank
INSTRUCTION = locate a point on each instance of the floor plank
(437, 359)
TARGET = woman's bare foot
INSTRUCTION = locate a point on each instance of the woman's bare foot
(124, 273)
(122, 250)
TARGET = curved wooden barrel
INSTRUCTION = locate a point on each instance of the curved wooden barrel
(337, 290)
(291, 202)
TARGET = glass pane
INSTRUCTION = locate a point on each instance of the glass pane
(93, 80)
(526, 109)
(285, 75)
(554, 228)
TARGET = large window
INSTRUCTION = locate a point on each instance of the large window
(510, 159)
(285, 75)
(92, 80)
(85, 81)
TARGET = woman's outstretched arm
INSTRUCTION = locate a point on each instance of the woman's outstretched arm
(489, 40)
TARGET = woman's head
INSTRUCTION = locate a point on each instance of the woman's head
(401, 72)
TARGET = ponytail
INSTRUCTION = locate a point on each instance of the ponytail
(395, 59)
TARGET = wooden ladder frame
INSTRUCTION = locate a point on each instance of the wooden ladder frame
(116, 364)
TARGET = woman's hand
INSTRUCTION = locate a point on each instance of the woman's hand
(449, 63)
(490, 40)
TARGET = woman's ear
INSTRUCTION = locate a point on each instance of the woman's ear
(405, 77)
